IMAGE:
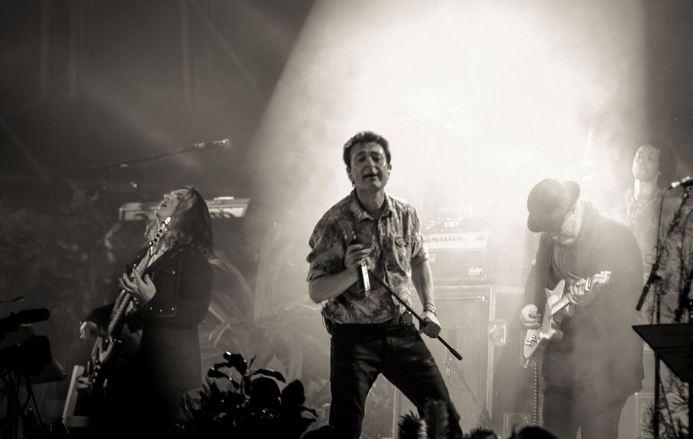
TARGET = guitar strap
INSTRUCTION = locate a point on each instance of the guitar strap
(544, 264)
(592, 224)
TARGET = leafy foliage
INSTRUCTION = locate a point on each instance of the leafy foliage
(434, 425)
(55, 258)
(241, 402)
(410, 426)
(291, 340)
(671, 424)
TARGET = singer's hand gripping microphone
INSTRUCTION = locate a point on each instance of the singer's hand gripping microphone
(364, 280)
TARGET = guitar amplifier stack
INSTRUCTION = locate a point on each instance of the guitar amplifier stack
(475, 320)
(457, 258)
(464, 315)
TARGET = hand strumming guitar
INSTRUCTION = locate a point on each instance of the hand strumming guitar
(530, 316)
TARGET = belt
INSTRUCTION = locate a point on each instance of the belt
(406, 319)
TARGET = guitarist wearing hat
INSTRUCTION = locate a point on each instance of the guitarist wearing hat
(593, 362)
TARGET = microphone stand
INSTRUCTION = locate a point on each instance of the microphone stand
(452, 350)
(655, 279)
(654, 276)
(202, 146)
(106, 170)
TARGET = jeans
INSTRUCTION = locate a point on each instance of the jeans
(359, 353)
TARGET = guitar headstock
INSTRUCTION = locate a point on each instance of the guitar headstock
(599, 280)
(161, 231)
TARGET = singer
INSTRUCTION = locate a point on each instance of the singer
(372, 333)
(652, 167)
(144, 389)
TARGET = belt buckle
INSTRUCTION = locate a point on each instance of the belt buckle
(406, 319)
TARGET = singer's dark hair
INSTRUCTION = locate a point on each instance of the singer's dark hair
(190, 223)
(362, 138)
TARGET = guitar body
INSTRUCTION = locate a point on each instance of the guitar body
(537, 339)
(107, 349)
(559, 306)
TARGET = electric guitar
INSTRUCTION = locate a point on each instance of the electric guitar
(113, 338)
(559, 305)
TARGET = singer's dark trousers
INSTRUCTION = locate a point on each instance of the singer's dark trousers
(359, 353)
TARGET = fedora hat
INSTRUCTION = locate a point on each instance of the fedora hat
(548, 202)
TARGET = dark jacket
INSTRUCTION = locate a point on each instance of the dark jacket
(170, 343)
(599, 347)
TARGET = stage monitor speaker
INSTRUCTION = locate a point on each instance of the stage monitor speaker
(463, 311)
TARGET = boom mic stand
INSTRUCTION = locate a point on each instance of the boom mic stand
(655, 279)
(395, 296)
(105, 170)
(200, 146)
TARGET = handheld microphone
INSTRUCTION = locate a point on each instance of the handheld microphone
(364, 279)
(214, 144)
(684, 182)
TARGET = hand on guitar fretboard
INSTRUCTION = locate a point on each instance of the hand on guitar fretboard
(582, 292)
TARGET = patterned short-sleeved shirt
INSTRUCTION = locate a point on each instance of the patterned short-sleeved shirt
(397, 246)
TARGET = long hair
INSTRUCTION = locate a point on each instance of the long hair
(190, 223)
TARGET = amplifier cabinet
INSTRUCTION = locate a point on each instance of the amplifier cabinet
(457, 257)
(452, 267)
(464, 314)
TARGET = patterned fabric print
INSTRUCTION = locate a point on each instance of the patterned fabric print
(397, 246)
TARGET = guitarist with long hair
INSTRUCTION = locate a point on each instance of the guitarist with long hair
(146, 358)
(590, 269)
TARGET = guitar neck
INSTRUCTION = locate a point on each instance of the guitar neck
(119, 312)
(124, 297)
(560, 304)
(565, 301)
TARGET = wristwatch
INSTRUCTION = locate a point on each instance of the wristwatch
(430, 307)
